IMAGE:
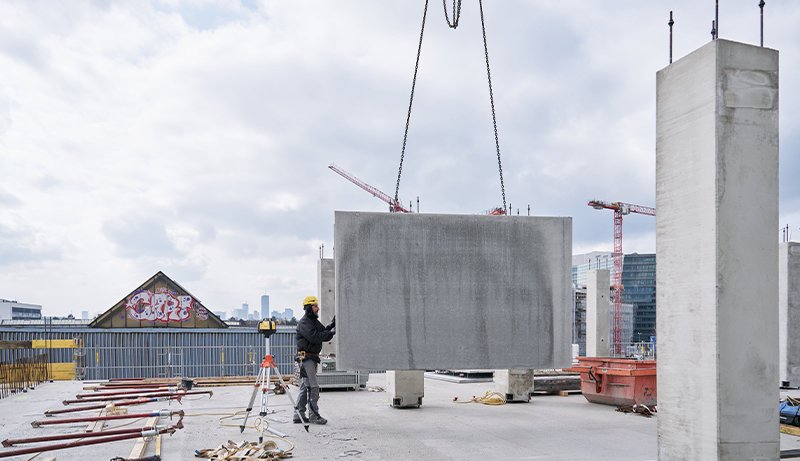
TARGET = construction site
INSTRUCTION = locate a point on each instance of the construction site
(471, 336)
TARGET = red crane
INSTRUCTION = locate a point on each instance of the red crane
(620, 210)
(393, 206)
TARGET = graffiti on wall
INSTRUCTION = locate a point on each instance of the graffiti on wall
(163, 305)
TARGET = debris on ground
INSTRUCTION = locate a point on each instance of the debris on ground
(643, 410)
(244, 450)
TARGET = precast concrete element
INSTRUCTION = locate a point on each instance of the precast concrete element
(598, 311)
(515, 384)
(327, 299)
(432, 292)
(717, 258)
(789, 312)
(405, 388)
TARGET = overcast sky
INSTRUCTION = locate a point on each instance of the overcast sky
(193, 137)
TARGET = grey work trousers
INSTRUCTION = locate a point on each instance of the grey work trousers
(309, 387)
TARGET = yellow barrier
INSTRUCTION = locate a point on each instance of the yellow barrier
(53, 344)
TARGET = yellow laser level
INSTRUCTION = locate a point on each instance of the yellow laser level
(267, 327)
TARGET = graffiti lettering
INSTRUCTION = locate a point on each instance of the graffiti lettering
(161, 306)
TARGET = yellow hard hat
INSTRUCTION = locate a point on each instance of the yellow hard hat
(310, 300)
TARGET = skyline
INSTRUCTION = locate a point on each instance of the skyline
(193, 137)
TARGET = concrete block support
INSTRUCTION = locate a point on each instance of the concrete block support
(326, 285)
(515, 384)
(598, 313)
(406, 388)
(789, 312)
(444, 292)
(717, 254)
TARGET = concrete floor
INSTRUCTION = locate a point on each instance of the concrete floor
(362, 426)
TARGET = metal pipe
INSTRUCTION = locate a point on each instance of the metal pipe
(162, 394)
(761, 5)
(123, 403)
(159, 414)
(81, 443)
(79, 435)
(670, 23)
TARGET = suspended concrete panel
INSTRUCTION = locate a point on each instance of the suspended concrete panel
(426, 291)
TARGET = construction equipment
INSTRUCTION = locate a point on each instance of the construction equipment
(620, 210)
(394, 204)
(267, 328)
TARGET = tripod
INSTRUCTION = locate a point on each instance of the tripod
(267, 328)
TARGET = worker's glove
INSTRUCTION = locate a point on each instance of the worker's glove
(333, 324)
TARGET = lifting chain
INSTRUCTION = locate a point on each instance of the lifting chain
(452, 24)
(456, 13)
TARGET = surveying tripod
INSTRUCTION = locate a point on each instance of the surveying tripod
(267, 328)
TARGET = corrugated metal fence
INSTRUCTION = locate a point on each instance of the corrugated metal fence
(161, 352)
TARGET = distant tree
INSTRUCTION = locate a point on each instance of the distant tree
(292, 321)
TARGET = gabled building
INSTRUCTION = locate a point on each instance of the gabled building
(158, 303)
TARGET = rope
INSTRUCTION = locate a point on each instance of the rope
(488, 398)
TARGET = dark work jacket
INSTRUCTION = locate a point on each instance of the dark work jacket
(311, 334)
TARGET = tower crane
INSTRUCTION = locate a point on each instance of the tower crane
(620, 210)
(394, 205)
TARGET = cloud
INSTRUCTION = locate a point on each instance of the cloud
(194, 137)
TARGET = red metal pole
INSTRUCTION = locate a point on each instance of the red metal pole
(80, 435)
(81, 443)
(160, 414)
(162, 394)
(139, 391)
(123, 403)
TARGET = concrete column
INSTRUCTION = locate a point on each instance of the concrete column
(598, 311)
(717, 254)
(789, 312)
(405, 388)
(327, 299)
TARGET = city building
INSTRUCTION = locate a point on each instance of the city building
(639, 289)
(583, 263)
(15, 310)
(264, 306)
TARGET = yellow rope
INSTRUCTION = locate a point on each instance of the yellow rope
(488, 398)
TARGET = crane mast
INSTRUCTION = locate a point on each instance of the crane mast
(620, 209)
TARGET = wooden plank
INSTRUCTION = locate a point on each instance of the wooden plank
(53, 344)
(62, 371)
(158, 445)
(95, 426)
(141, 443)
(791, 430)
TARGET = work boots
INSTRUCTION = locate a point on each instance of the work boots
(316, 419)
(297, 419)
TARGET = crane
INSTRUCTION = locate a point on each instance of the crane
(394, 205)
(620, 210)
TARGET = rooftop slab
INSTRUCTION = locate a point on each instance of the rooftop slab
(363, 427)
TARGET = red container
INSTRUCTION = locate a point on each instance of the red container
(617, 381)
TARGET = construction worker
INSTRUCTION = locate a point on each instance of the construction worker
(310, 336)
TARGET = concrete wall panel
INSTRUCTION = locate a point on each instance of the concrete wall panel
(426, 291)
(789, 304)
